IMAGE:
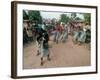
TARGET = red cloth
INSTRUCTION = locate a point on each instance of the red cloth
(59, 28)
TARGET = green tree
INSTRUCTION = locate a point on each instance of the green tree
(25, 15)
(73, 15)
(35, 16)
(87, 18)
(64, 18)
(53, 21)
(78, 18)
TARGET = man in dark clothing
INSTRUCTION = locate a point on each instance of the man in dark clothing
(42, 39)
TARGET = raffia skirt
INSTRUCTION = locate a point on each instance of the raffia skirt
(44, 52)
(82, 37)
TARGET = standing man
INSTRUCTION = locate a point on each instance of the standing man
(65, 33)
(58, 30)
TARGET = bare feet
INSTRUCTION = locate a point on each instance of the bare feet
(49, 59)
(41, 64)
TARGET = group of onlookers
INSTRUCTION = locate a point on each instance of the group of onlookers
(82, 34)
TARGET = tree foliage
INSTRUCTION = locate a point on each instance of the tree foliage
(78, 18)
(87, 18)
(25, 15)
(35, 16)
(64, 18)
(73, 15)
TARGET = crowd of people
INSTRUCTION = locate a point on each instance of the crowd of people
(41, 33)
(82, 34)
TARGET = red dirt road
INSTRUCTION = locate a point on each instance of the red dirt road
(62, 55)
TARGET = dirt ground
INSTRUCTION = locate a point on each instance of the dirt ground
(62, 55)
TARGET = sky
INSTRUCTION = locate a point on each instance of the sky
(56, 15)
